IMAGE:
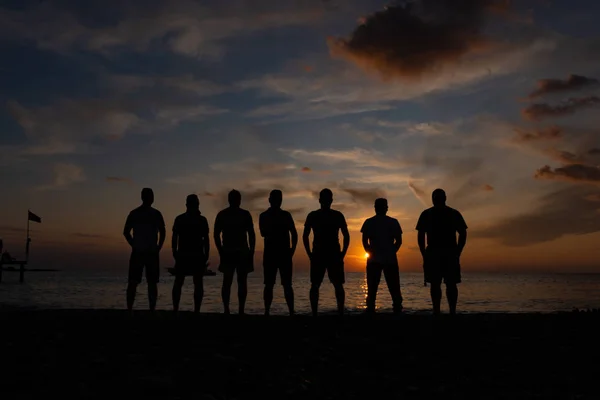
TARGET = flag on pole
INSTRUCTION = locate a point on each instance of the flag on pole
(34, 218)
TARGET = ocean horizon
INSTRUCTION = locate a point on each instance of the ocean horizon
(480, 292)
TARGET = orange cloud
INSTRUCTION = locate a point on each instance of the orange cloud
(488, 188)
(118, 179)
(550, 133)
(306, 169)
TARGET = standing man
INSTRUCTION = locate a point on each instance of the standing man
(326, 255)
(191, 247)
(236, 249)
(382, 238)
(441, 255)
(148, 238)
(276, 226)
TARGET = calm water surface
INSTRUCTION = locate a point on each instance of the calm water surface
(479, 292)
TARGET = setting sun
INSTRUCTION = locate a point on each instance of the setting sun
(366, 255)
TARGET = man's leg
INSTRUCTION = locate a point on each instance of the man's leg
(452, 296)
(176, 292)
(152, 278)
(373, 278)
(131, 291)
(335, 271)
(436, 296)
(198, 291)
(392, 278)
(317, 273)
(285, 274)
(242, 281)
(270, 275)
(226, 289)
(136, 267)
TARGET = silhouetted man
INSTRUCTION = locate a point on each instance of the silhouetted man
(326, 255)
(276, 226)
(382, 238)
(148, 238)
(237, 249)
(441, 256)
(191, 246)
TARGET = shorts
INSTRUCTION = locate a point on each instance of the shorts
(141, 260)
(332, 263)
(239, 261)
(277, 262)
(190, 265)
(442, 266)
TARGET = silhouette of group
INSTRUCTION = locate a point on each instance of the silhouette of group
(235, 240)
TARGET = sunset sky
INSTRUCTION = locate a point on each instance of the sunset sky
(496, 105)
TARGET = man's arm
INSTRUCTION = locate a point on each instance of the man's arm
(127, 231)
(462, 240)
(421, 241)
(206, 240)
(217, 234)
(397, 237)
(462, 232)
(174, 240)
(346, 235)
(294, 234)
(162, 232)
(365, 238)
(251, 234)
(261, 225)
(306, 236)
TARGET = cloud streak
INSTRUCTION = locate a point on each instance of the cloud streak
(573, 82)
(540, 111)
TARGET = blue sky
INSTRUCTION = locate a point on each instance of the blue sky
(103, 98)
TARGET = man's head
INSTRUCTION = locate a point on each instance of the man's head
(192, 202)
(438, 197)
(326, 198)
(381, 206)
(147, 196)
(234, 198)
(276, 198)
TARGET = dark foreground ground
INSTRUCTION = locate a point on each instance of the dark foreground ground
(106, 354)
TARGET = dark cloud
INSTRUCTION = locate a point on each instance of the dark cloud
(549, 133)
(572, 173)
(565, 212)
(573, 82)
(118, 179)
(539, 111)
(364, 196)
(594, 151)
(420, 37)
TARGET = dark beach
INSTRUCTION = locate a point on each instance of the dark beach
(101, 354)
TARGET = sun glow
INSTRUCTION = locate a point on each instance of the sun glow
(366, 255)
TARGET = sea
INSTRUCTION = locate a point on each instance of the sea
(479, 293)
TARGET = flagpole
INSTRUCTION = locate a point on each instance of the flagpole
(27, 244)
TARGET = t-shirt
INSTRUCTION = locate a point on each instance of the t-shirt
(192, 230)
(325, 224)
(234, 224)
(440, 225)
(146, 223)
(381, 231)
(275, 226)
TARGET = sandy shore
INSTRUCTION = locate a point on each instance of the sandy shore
(104, 354)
